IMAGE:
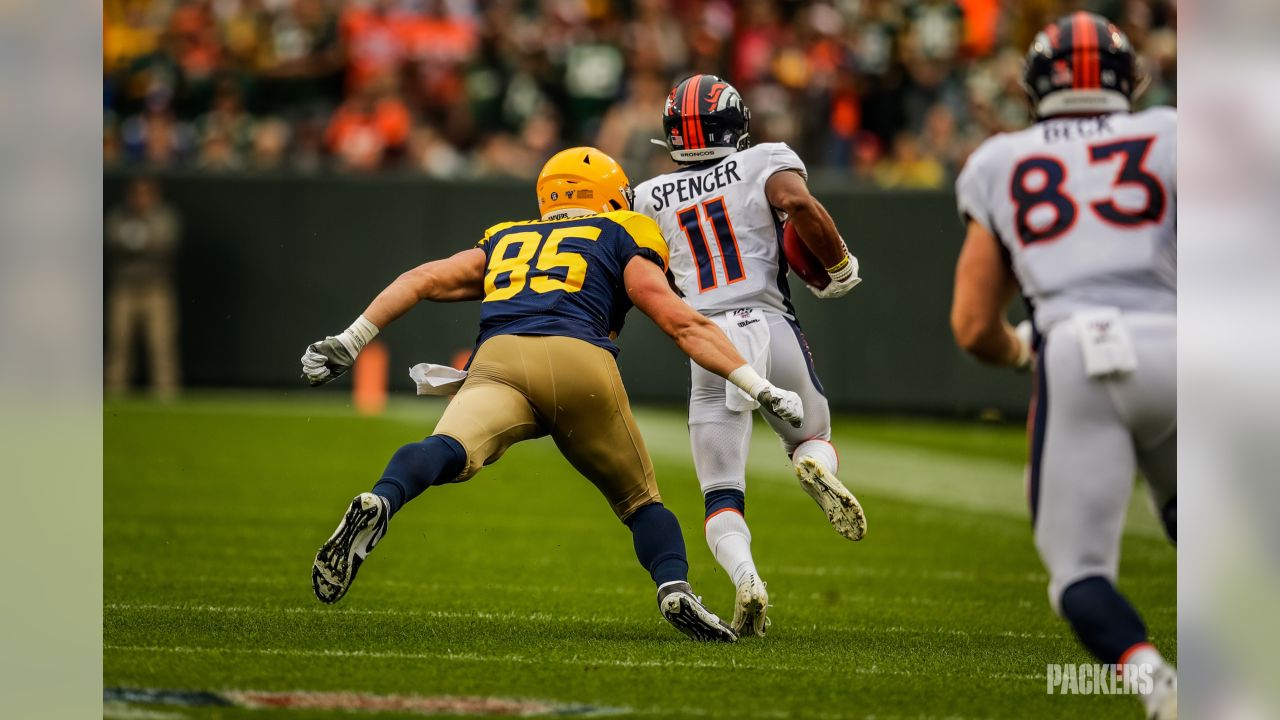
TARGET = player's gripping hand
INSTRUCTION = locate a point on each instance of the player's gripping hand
(333, 356)
(844, 277)
(776, 401)
(1023, 335)
(326, 360)
(782, 403)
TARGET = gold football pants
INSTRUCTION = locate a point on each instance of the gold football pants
(526, 386)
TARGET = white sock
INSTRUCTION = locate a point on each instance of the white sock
(1146, 654)
(821, 451)
(730, 543)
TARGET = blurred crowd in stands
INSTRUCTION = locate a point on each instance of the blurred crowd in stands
(893, 93)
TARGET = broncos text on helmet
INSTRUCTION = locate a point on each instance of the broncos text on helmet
(705, 119)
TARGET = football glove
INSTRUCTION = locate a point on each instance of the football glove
(1023, 334)
(844, 277)
(782, 403)
(326, 360)
(333, 356)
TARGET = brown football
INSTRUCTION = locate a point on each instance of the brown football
(802, 261)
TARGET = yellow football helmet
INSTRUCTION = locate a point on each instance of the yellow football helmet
(582, 179)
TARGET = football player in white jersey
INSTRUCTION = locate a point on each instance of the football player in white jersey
(722, 213)
(1078, 213)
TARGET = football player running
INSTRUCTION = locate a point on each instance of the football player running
(723, 213)
(554, 292)
(1078, 212)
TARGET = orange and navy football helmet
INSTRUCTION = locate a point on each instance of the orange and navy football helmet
(705, 119)
(581, 181)
(1081, 64)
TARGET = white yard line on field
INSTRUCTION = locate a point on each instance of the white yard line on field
(539, 617)
(523, 660)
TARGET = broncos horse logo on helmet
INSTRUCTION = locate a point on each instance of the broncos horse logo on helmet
(1079, 64)
(705, 119)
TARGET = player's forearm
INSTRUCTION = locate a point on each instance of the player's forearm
(707, 345)
(818, 231)
(992, 343)
(395, 300)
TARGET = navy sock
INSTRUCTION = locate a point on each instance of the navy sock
(417, 466)
(1103, 620)
(718, 500)
(659, 544)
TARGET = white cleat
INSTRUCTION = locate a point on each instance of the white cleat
(842, 508)
(1162, 703)
(752, 604)
(335, 566)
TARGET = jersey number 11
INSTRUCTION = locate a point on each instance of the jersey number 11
(691, 222)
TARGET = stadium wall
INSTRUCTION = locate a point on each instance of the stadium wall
(273, 262)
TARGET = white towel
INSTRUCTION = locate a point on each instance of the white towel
(436, 379)
(1105, 341)
(748, 330)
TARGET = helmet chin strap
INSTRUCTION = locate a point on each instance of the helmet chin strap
(563, 213)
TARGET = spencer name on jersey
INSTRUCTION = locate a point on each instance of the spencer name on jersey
(725, 238)
(564, 277)
(690, 186)
(1085, 208)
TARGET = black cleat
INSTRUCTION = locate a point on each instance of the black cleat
(335, 567)
(685, 611)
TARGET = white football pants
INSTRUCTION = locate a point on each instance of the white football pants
(721, 435)
(1089, 436)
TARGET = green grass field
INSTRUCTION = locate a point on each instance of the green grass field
(522, 584)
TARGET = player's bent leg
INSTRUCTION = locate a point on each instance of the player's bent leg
(814, 457)
(590, 419)
(417, 466)
(485, 418)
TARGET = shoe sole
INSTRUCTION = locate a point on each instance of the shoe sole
(693, 620)
(842, 508)
(751, 618)
(337, 562)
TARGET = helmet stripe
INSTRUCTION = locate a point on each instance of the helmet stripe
(686, 111)
(690, 112)
(697, 111)
(1086, 37)
(1077, 53)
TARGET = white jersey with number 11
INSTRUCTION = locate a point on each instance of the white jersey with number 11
(725, 238)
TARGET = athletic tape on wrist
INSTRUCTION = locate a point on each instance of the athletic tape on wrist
(749, 380)
(358, 335)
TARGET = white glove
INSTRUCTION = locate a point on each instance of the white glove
(844, 277)
(1023, 333)
(778, 402)
(332, 357)
(782, 403)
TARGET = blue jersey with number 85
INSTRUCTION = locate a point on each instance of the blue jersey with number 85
(564, 277)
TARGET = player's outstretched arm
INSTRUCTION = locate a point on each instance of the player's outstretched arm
(702, 340)
(984, 286)
(453, 279)
(788, 192)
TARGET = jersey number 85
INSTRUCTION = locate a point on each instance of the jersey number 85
(509, 273)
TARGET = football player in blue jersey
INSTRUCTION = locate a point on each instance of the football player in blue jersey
(554, 293)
